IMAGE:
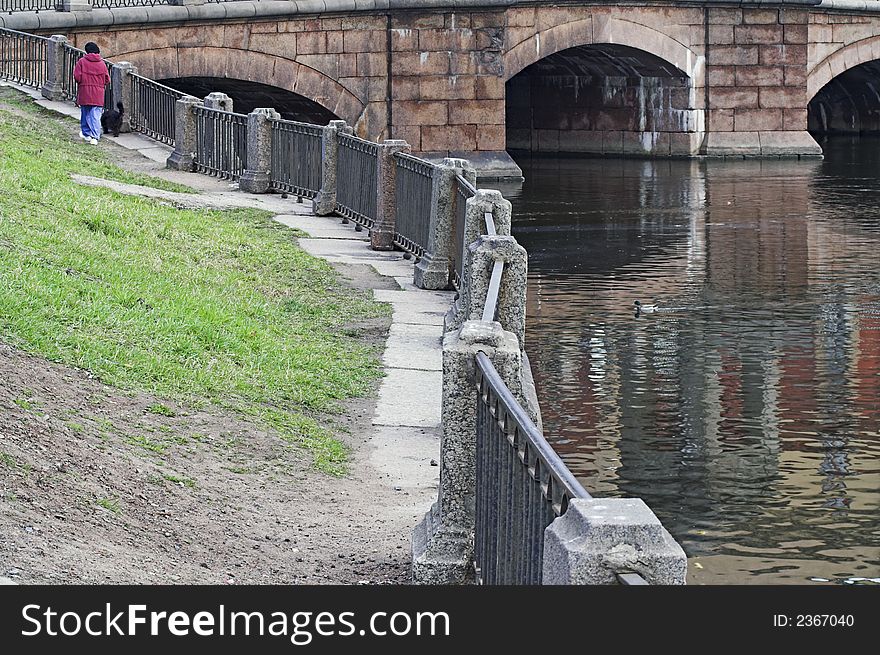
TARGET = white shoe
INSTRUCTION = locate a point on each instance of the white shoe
(94, 142)
(83, 137)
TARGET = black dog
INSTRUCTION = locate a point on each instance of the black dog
(111, 120)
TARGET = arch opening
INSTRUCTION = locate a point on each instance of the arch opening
(848, 104)
(603, 99)
(247, 96)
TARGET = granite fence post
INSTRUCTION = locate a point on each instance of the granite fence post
(486, 201)
(324, 203)
(511, 307)
(219, 101)
(120, 75)
(599, 537)
(183, 157)
(384, 227)
(443, 542)
(53, 87)
(256, 177)
(434, 267)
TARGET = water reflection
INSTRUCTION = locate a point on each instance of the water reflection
(745, 409)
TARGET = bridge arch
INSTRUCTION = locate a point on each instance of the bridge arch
(238, 64)
(609, 31)
(843, 92)
(604, 86)
(839, 61)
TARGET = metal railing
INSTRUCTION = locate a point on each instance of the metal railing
(10, 6)
(522, 485)
(296, 158)
(70, 56)
(415, 186)
(23, 58)
(221, 142)
(357, 166)
(462, 192)
(113, 4)
(153, 108)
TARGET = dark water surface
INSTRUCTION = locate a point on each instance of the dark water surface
(745, 410)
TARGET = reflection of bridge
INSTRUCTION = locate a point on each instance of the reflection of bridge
(717, 78)
(668, 409)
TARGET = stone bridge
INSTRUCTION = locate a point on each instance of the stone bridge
(478, 78)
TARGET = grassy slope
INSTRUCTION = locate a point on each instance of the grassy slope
(199, 305)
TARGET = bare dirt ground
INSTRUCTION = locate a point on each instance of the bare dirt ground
(103, 486)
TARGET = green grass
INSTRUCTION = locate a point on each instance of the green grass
(147, 444)
(44, 137)
(185, 482)
(163, 410)
(195, 306)
(24, 403)
(110, 504)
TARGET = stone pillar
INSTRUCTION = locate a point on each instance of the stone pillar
(255, 178)
(382, 234)
(76, 5)
(324, 203)
(120, 74)
(443, 543)
(186, 3)
(486, 201)
(183, 157)
(511, 307)
(599, 537)
(756, 73)
(219, 101)
(433, 269)
(52, 88)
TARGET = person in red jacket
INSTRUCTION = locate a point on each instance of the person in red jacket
(91, 76)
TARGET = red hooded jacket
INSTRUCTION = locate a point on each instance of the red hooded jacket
(91, 75)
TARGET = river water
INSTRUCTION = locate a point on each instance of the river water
(743, 403)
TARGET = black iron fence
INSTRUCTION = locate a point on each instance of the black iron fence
(415, 185)
(296, 158)
(10, 6)
(23, 58)
(463, 190)
(522, 485)
(357, 168)
(153, 108)
(112, 4)
(221, 142)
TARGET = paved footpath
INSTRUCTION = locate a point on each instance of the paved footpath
(406, 422)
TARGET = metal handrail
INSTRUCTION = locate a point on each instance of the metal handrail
(358, 163)
(632, 579)
(222, 149)
(567, 483)
(148, 95)
(23, 58)
(462, 192)
(414, 181)
(521, 485)
(296, 158)
(10, 6)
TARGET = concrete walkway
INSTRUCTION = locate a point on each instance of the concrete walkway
(405, 441)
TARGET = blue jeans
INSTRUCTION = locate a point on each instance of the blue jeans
(90, 121)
